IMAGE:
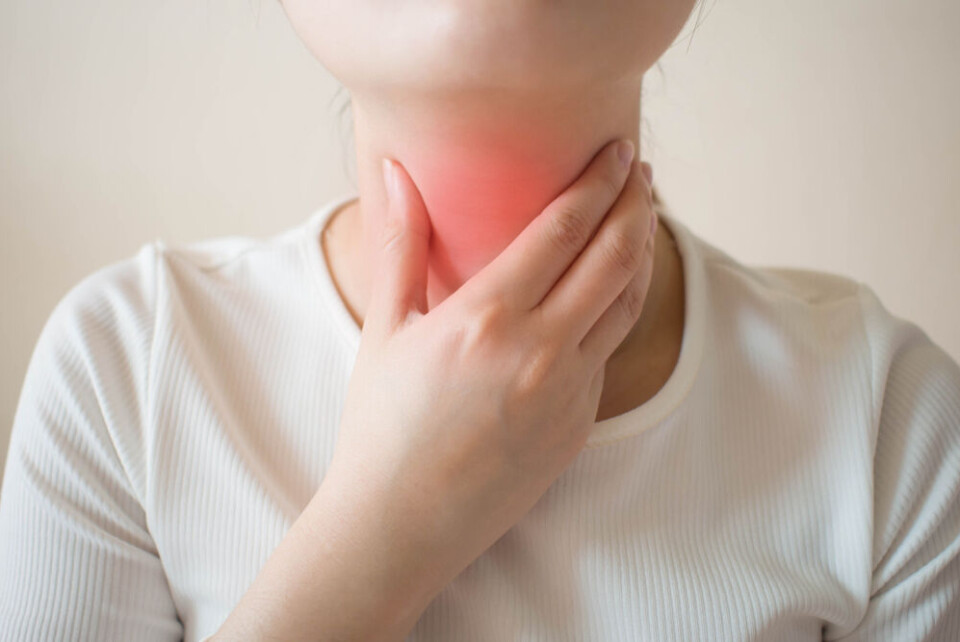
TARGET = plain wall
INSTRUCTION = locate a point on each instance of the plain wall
(815, 134)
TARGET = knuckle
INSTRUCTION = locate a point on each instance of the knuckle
(483, 322)
(624, 250)
(536, 369)
(611, 184)
(631, 300)
(570, 229)
(390, 233)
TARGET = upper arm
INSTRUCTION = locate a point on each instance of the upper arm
(915, 583)
(76, 555)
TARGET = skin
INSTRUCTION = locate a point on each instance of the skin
(493, 108)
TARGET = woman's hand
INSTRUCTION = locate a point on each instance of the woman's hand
(458, 419)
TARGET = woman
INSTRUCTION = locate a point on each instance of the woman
(467, 404)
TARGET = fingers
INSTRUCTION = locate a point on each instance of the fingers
(400, 279)
(606, 266)
(618, 319)
(529, 267)
(596, 387)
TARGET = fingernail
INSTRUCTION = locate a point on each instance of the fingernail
(389, 178)
(647, 172)
(625, 152)
(653, 224)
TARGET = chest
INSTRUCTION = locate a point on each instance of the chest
(619, 548)
(719, 523)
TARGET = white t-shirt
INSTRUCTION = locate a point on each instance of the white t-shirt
(797, 478)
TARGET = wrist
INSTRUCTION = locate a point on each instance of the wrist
(383, 548)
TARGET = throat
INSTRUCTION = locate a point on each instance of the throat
(638, 370)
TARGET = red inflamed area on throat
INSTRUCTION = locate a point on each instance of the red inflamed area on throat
(477, 208)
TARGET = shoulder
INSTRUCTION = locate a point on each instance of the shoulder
(915, 414)
(915, 421)
(92, 372)
(94, 348)
(98, 339)
(906, 361)
(908, 419)
(85, 390)
(839, 318)
(109, 310)
(902, 360)
(779, 283)
(802, 319)
(111, 314)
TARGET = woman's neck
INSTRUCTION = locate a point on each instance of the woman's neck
(485, 168)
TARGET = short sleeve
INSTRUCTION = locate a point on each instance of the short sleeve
(76, 555)
(915, 584)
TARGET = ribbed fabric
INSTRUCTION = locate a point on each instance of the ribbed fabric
(797, 478)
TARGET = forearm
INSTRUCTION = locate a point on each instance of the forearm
(344, 571)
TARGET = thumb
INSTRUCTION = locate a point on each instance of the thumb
(400, 282)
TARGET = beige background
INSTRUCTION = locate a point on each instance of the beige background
(819, 134)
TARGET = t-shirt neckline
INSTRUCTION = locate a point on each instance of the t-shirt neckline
(632, 422)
